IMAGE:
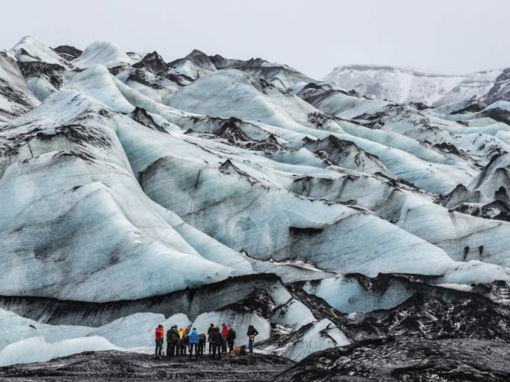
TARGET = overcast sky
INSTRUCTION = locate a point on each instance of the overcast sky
(450, 36)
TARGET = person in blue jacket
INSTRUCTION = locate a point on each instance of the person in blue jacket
(252, 333)
(194, 340)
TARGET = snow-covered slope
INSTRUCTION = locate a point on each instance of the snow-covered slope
(408, 85)
(102, 52)
(30, 49)
(133, 186)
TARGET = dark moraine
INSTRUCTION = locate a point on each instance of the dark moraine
(117, 366)
(407, 360)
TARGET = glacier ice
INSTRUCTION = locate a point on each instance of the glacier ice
(15, 97)
(36, 349)
(96, 82)
(87, 195)
(142, 192)
(104, 53)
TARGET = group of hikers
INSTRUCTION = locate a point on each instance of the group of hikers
(183, 342)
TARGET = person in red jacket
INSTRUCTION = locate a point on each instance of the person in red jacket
(160, 337)
(224, 334)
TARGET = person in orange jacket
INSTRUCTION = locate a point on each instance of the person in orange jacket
(160, 338)
(224, 334)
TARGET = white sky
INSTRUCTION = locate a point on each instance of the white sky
(450, 36)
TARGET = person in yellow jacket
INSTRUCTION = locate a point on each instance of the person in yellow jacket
(183, 345)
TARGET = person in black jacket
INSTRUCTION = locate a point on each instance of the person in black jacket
(209, 337)
(231, 336)
(217, 340)
(172, 342)
(252, 333)
(201, 344)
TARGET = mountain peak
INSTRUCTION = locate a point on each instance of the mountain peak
(406, 85)
(196, 52)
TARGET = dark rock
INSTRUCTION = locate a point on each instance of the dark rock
(473, 107)
(430, 311)
(460, 194)
(432, 317)
(53, 73)
(258, 302)
(500, 91)
(318, 119)
(497, 114)
(296, 231)
(179, 79)
(228, 167)
(141, 116)
(138, 75)
(231, 131)
(153, 62)
(116, 70)
(448, 148)
(406, 359)
(419, 106)
(497, 210)
(345, 154)
(314, 93)
(68, 53)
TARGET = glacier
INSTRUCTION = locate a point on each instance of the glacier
(138, 191)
